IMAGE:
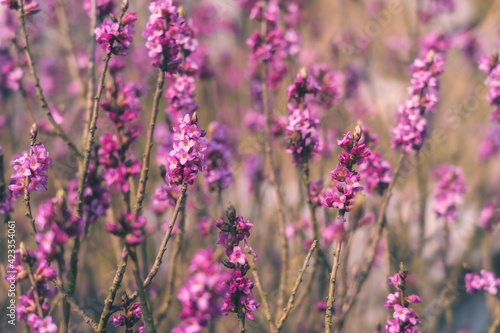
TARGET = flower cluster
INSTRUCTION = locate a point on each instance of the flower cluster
(376, 171)
(188, 154)
(218, 173)
(270, 47)
(130, 227)
(201, 293)
(131, 315)
(303, 138)
(35, 306)
(116, 37)
(117, 167)
(490, 65)
(164, 30)
(10, 74)
(331, 84)
(254, 170)
(490, 215)
(411, 130)
(96, 200)
(239, 287)
(180, 97)
(489, 146)
(31, 170)
(347, 181)
(55, 225)
(486, 281)
(165, 196)
(121, 101)
(448, 191)
(404, 318)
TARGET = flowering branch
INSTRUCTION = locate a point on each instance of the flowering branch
(163, 247)
(380, 224)
(28, 213)
(39, 91)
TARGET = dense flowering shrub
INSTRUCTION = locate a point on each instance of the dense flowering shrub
(118, 154)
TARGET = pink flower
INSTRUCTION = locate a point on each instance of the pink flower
(238, 256)
(401, 313)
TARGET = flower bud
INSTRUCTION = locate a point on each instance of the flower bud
(230, 212)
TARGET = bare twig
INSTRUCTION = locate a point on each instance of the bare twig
(290, 304)
(258, 284)
(173, 268)
(331, 290)
(108, 302)
(76, 307)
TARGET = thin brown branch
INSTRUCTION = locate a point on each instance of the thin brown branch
(163, 313)
(331, 290)
(76, 307)
(149, 144)
(290, 304)
(260, 289)
(108, 302)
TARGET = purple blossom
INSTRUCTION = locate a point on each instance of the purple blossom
(490, 65)
(200, 295)
(218, 173)
(411, 129)
(347, 182)
(489, 216)
(188, 154)
(31, 169)
(165, 32)
(487, 281)
(180, 96)
(130, 227)
(118, 168)
(448, 191)
(239, 288)
(303, 137)
(114, 37)
(404, 318)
